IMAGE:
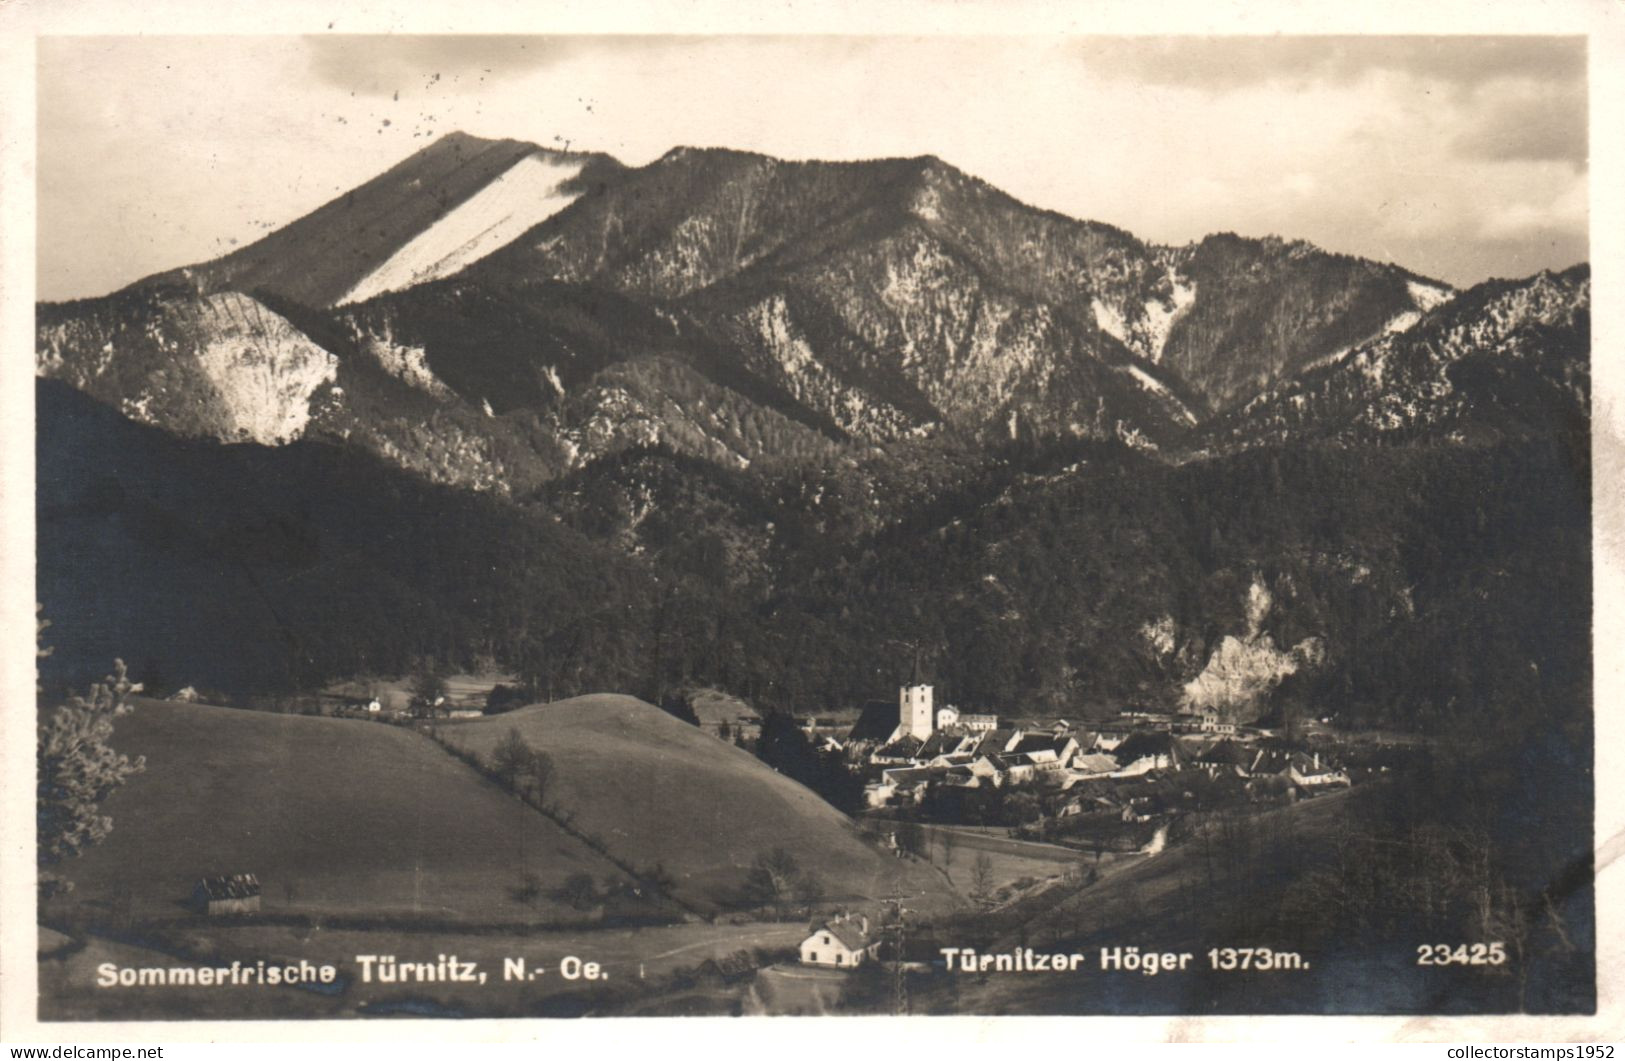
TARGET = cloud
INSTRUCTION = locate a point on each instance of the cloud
(1540, 123)
(378, 65)
(1220, 64)
(1563, 214)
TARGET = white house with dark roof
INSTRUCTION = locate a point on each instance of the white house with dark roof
(843, 943)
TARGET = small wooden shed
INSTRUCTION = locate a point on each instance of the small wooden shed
(235, 893)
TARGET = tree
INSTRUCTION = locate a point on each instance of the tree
(578, 890)
(785, 748)
(772, 878)
(76, 771)
(428, 688)
(910, 839)
(505, 698)
(538, 777)
(809, 890)
(657, 878)
(511, 760)
(981, 876)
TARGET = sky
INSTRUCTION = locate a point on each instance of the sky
(1460, 158)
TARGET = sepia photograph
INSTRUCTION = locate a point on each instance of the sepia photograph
(761, 525)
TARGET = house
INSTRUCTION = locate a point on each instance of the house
(1002, 769)
(1226, 757)
(978, 723)
(901, 777)
(1093, 763)
(1212, 722)
(943, 749)
(729, 969)
(1310, 772)
(842, 943)
(1112, 734)
(236, 893)
(947, 717)
(1047, 752)
(998, 741)
(1148, 751)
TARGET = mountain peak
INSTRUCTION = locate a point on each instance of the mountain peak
(334, 253)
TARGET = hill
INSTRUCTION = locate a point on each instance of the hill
(655, 789)
(334, 816)
(1351, 883)
(249, 568)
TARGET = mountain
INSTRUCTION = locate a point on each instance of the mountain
(782, 415)
(1507, 359)
(492, 314)
(900, 294)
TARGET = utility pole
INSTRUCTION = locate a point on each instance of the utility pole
(899, 965)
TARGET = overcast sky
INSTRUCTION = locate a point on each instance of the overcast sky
(1461, 158)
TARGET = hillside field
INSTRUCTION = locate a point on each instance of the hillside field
(334, 816)
(655, 789)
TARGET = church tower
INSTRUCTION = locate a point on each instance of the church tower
(915, 717)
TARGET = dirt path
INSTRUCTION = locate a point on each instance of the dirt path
(971, 838)
(748, 936)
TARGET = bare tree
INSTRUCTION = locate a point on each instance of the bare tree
(981, 875)
(809, 889)
(772, 878)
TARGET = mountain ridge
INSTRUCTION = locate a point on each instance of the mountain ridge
(829, 304)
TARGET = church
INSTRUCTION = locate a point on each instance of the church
(913, 715)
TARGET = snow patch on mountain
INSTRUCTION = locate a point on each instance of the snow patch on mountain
(524, 196)
(1401, 322)
(263, 368)
(1160, 315)
(1156, 386)
(1427, 296)
(1110, 320)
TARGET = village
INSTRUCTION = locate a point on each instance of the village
(1104, 786)
(1100, 785)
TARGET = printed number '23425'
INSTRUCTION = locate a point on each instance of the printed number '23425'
(1462, 954)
